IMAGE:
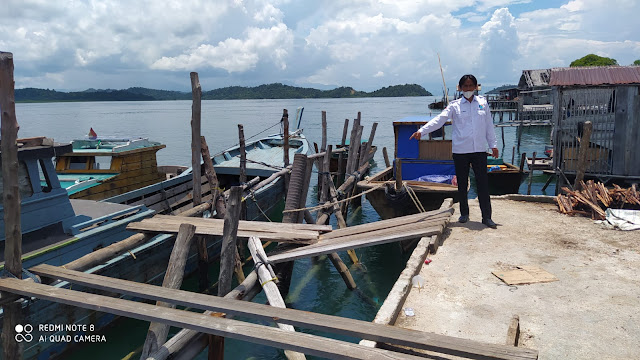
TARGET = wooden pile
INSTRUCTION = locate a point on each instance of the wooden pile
(594, 198)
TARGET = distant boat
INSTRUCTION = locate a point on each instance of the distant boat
(98, 168)
(426, 167)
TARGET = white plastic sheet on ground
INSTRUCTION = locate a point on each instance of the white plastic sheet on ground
(622, 219)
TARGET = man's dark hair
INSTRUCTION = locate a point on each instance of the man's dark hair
(464, 78)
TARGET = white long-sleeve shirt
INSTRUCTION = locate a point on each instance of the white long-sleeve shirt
(472, 125)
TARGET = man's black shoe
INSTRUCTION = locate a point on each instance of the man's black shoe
(463, 218)
(490, 223)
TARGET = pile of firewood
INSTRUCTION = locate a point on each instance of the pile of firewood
(594, 198)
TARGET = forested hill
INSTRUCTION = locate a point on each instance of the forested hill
(270, 91)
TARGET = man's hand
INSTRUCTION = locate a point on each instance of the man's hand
(495, 152)
(416, 135)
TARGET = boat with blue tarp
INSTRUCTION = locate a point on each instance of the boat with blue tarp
(424, 168)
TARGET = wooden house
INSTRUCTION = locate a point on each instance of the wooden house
(608, 97)
(534, 88)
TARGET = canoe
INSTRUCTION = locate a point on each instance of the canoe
(98, 168)
(425, 167)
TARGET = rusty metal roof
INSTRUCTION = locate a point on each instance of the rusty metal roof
(595, 75)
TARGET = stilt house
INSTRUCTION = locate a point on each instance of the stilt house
(609, 97)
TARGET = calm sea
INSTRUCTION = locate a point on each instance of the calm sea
(316, 287)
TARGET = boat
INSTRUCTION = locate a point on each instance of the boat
(425, 168)
(264, 158)
(504, 178)
(57, 230)
(541, 164)
(98, 168)
(147, 263)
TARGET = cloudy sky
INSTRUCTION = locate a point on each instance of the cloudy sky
(366, 44)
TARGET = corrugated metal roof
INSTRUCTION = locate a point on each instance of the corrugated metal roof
(595, 75)
(534, 78)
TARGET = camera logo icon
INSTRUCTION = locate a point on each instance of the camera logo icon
(23, 333)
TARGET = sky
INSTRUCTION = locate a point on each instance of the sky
(71, 45)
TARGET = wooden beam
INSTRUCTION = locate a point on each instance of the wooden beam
(267, 280)
(158, 332)
(265, 335)
(209, 170)
(196, 113)
(513, 333)
(326, 323)
(11, 202)
(229, 245)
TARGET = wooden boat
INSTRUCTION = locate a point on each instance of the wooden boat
(504, 178)
(99, 168)
(57, 230)
(418, 164)
(148, 262)
(541, 163)
(264, 158)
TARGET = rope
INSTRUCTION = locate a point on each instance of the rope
(414, 197)
(252, 197)
(331, 204)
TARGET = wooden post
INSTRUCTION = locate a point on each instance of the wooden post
(285, 136)
(243, 155)
(533, 164)
(321, 166)
(513, 155)
(267, 280)
(11, 349)
(582, 154)
(350, 157)
(369, 143)
(386, 157)
(157, 334)
(326, 175)
(341, 164)
(398, 174)
(229, 247)
(209, 170)
(196, 144)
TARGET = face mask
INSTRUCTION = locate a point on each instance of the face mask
(468, 94)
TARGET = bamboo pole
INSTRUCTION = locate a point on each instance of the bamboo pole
(157, 334)
(196, 144)
(322, 168)
(229, 247)
(326, 175)
(267, 280)
(582, 154)
(11, 349)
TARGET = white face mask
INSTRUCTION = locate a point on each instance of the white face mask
(467, 94)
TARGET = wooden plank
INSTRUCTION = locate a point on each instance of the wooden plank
(528, 274)
(328, 323)
(229, 241)
(196, 113)
(389, 223)
(264, 335)
(256, 225)
(513, 333)
(267, 280)
(158, 332)
(342, 244)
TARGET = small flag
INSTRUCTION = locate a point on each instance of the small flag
(92, 134)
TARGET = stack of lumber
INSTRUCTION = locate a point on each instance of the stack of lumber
(268, 231)
(594, 198)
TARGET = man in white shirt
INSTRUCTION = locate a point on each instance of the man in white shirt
(472, 132)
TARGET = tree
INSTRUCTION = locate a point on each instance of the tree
(637, 62)
(593, 60)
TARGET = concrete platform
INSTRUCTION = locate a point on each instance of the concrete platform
(591, 312)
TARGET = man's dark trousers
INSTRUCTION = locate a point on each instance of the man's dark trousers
(478, 162)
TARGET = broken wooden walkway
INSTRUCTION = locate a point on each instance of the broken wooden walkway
(305, 343)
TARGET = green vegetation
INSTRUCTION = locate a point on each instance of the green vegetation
(637, 62)
(593, 60)
(270, 91)
(500, 88)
